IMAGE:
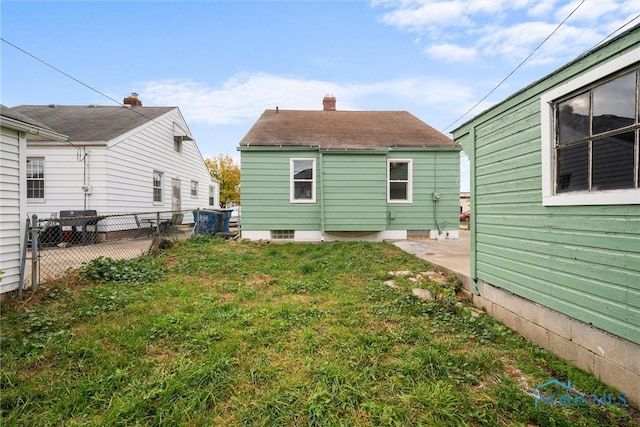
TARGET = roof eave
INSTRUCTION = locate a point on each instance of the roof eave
(38, 132)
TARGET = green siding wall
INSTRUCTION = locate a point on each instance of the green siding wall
(583, 261)
(351, 193)
(264, 178)
(437, 171)
(354, 191)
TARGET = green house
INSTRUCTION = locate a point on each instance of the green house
(331, 175)
(555, 190)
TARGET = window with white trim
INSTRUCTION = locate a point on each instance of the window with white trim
(302, 181)
(591, 137)
(212, 195)
(35, 179)
(194, 189)
(177, 144)
(399, 181)
(157, 187)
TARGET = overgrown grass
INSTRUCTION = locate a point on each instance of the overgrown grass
(212, 332)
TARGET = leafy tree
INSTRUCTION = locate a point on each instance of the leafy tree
(224, 169)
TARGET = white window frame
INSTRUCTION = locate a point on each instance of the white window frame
(409, 181)
(194, 189)
(157, 187)
(212, 195)
(177, 144)
(43, 179)
(292, 198)
(607, 197)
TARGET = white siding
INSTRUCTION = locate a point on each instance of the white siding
(132, 159)
(63, 179)
(120, 172)
(12, 209)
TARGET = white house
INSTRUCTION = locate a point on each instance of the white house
(119, 159)
(15, 128)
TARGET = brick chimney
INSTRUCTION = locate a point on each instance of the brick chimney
(132, 100)
(329, 103)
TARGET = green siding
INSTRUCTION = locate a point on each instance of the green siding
(583, 261)
(265, 193)
(354, 192)
(432, 172)
(351, 193)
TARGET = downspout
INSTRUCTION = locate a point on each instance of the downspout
(81, 156)
(436, 198)
(436, 195)
(321, 191)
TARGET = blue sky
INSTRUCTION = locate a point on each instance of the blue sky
(224, 62)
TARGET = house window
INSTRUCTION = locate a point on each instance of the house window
(212, 195)
(157, 187)
(590, 137)
(303, 181)
(194, 189)
(35, 179)
(177, 144)
(399, 181)
(283, 234)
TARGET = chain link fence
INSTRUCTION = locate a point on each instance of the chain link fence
(55, 245)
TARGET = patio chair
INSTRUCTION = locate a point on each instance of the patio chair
(144, 226)
(170, 224)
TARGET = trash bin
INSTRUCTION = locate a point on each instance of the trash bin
(225, 220)
(206, 221)
(211, 221)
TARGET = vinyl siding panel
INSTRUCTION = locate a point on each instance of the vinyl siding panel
(351, 191)
(265, 193)
(132, 159)
(583, 261)
(63, 179)
(120, 172)
(11, 208)
(355, 192)
(433, 171)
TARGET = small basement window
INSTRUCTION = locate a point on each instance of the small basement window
(283, 234)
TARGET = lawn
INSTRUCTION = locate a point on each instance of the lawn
(213, 332)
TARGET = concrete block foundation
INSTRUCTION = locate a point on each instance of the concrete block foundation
(613, 360)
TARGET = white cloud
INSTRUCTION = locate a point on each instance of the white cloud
(244, 97)
(590, 12)
(515, 40)
(240, 98)
(451, 53)
(509, 30)
(413, 16)
(541, 10)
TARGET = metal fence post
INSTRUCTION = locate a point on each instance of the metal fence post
(34, 252)
(23, 257)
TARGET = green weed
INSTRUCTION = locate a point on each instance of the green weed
(212, 332)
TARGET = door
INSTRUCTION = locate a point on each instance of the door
(175, 195)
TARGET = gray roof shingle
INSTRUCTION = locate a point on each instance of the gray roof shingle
(15, 115)
(343, 130)
(91, 123)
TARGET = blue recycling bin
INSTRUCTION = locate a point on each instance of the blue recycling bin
(225, 220)
(206, 221)
(211, 221)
